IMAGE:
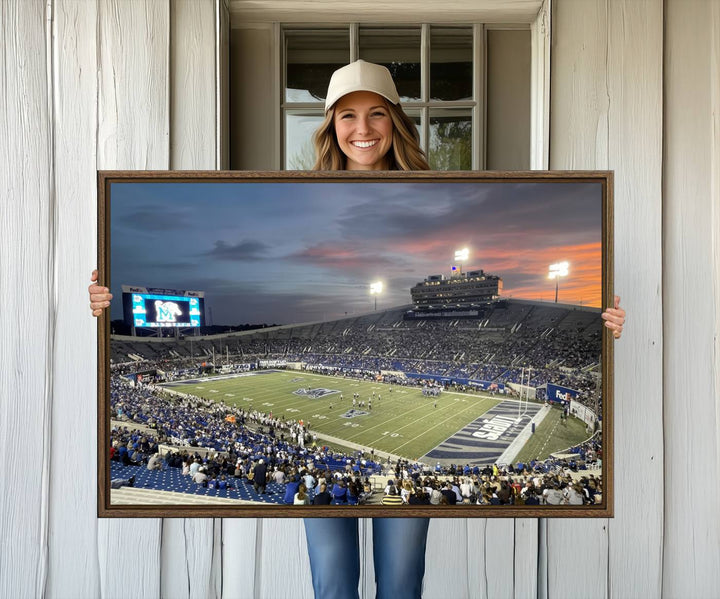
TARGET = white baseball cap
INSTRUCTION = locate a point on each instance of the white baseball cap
(361, 76)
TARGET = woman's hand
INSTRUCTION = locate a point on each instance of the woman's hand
(615, 318)
(99, 296)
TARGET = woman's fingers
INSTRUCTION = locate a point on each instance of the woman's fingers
(99, 296)
(615, 318)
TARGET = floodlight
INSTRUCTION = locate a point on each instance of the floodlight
(560, 269)
(462, 255)
(375, 289)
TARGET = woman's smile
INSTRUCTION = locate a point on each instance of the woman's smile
(364, 130)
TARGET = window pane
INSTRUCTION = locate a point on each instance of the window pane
(450, 145)
(399, 51)
(508, 100)
(311, 58)
(299, 149)
(415, 117)
(451, 56)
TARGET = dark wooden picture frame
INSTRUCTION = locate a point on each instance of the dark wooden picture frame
(292, 256)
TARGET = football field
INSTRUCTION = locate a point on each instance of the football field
(402, 421)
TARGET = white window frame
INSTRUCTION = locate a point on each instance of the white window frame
(537, 15)
(423, 107)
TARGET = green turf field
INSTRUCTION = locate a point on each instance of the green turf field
(552, 435)
(402, 422)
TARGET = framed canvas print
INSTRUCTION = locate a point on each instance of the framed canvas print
(355, 344)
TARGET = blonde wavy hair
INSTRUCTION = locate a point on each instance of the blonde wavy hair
(405, 153)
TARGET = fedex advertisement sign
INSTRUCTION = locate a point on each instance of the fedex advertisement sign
(558, 394)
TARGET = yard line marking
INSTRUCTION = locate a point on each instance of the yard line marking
(435, 426)
(388, 423)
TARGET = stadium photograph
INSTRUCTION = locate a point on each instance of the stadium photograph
(276, 343)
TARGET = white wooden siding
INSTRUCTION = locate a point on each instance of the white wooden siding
(27, 279)
(73, 542)
(692, 395)
(635, 87)
(606, 112)
(132, 133)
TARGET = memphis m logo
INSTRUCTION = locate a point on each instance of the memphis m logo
(167, 311)
(315, 393)
(353, 413)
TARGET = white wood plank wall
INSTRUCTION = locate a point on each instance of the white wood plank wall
(606, 112)
(191, 558)
(27, 211)
(691, 302)
(73, 542)
(133, 133)
(635, 87)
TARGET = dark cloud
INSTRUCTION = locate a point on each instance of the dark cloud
(174, 265)
(417, 211)
(244, 250)
(155, 218)
(267, 307)
(351, 258)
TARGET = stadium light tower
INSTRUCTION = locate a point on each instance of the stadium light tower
(556, 271)
(461, 256)
(375, 289)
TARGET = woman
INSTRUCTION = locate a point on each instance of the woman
(301, 497)
(364, 129)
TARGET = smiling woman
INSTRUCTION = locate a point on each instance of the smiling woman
(362, 111)
(364, 131)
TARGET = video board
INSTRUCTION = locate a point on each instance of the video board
(154, 307)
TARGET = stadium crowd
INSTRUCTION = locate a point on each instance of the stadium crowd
(521, 343)
(234, 435)
(252, 448)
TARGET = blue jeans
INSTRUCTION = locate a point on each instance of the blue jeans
(398, 551)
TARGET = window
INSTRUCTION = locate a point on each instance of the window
(437, 71)
(468, 88)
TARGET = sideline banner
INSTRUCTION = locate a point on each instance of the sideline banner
(558, 394)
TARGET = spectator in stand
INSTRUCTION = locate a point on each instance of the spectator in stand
(323, 497)
(418, 497)
(449, 494)
(278, 476)
(291, 488)
(200, 477)
(573, 494)
(309, 480)
(553, 495)
(339, 492)
(155, 462)
(301, 497)
(392, 498)
(116, 483)
(194, 467)
(531, 498)
(260, 477)
(504, 493)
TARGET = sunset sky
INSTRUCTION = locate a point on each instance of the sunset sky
(298, 252)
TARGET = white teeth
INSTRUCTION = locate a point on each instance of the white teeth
(364, 144)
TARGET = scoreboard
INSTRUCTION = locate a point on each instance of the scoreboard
(154, 307)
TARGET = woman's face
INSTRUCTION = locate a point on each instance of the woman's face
(364, 130)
